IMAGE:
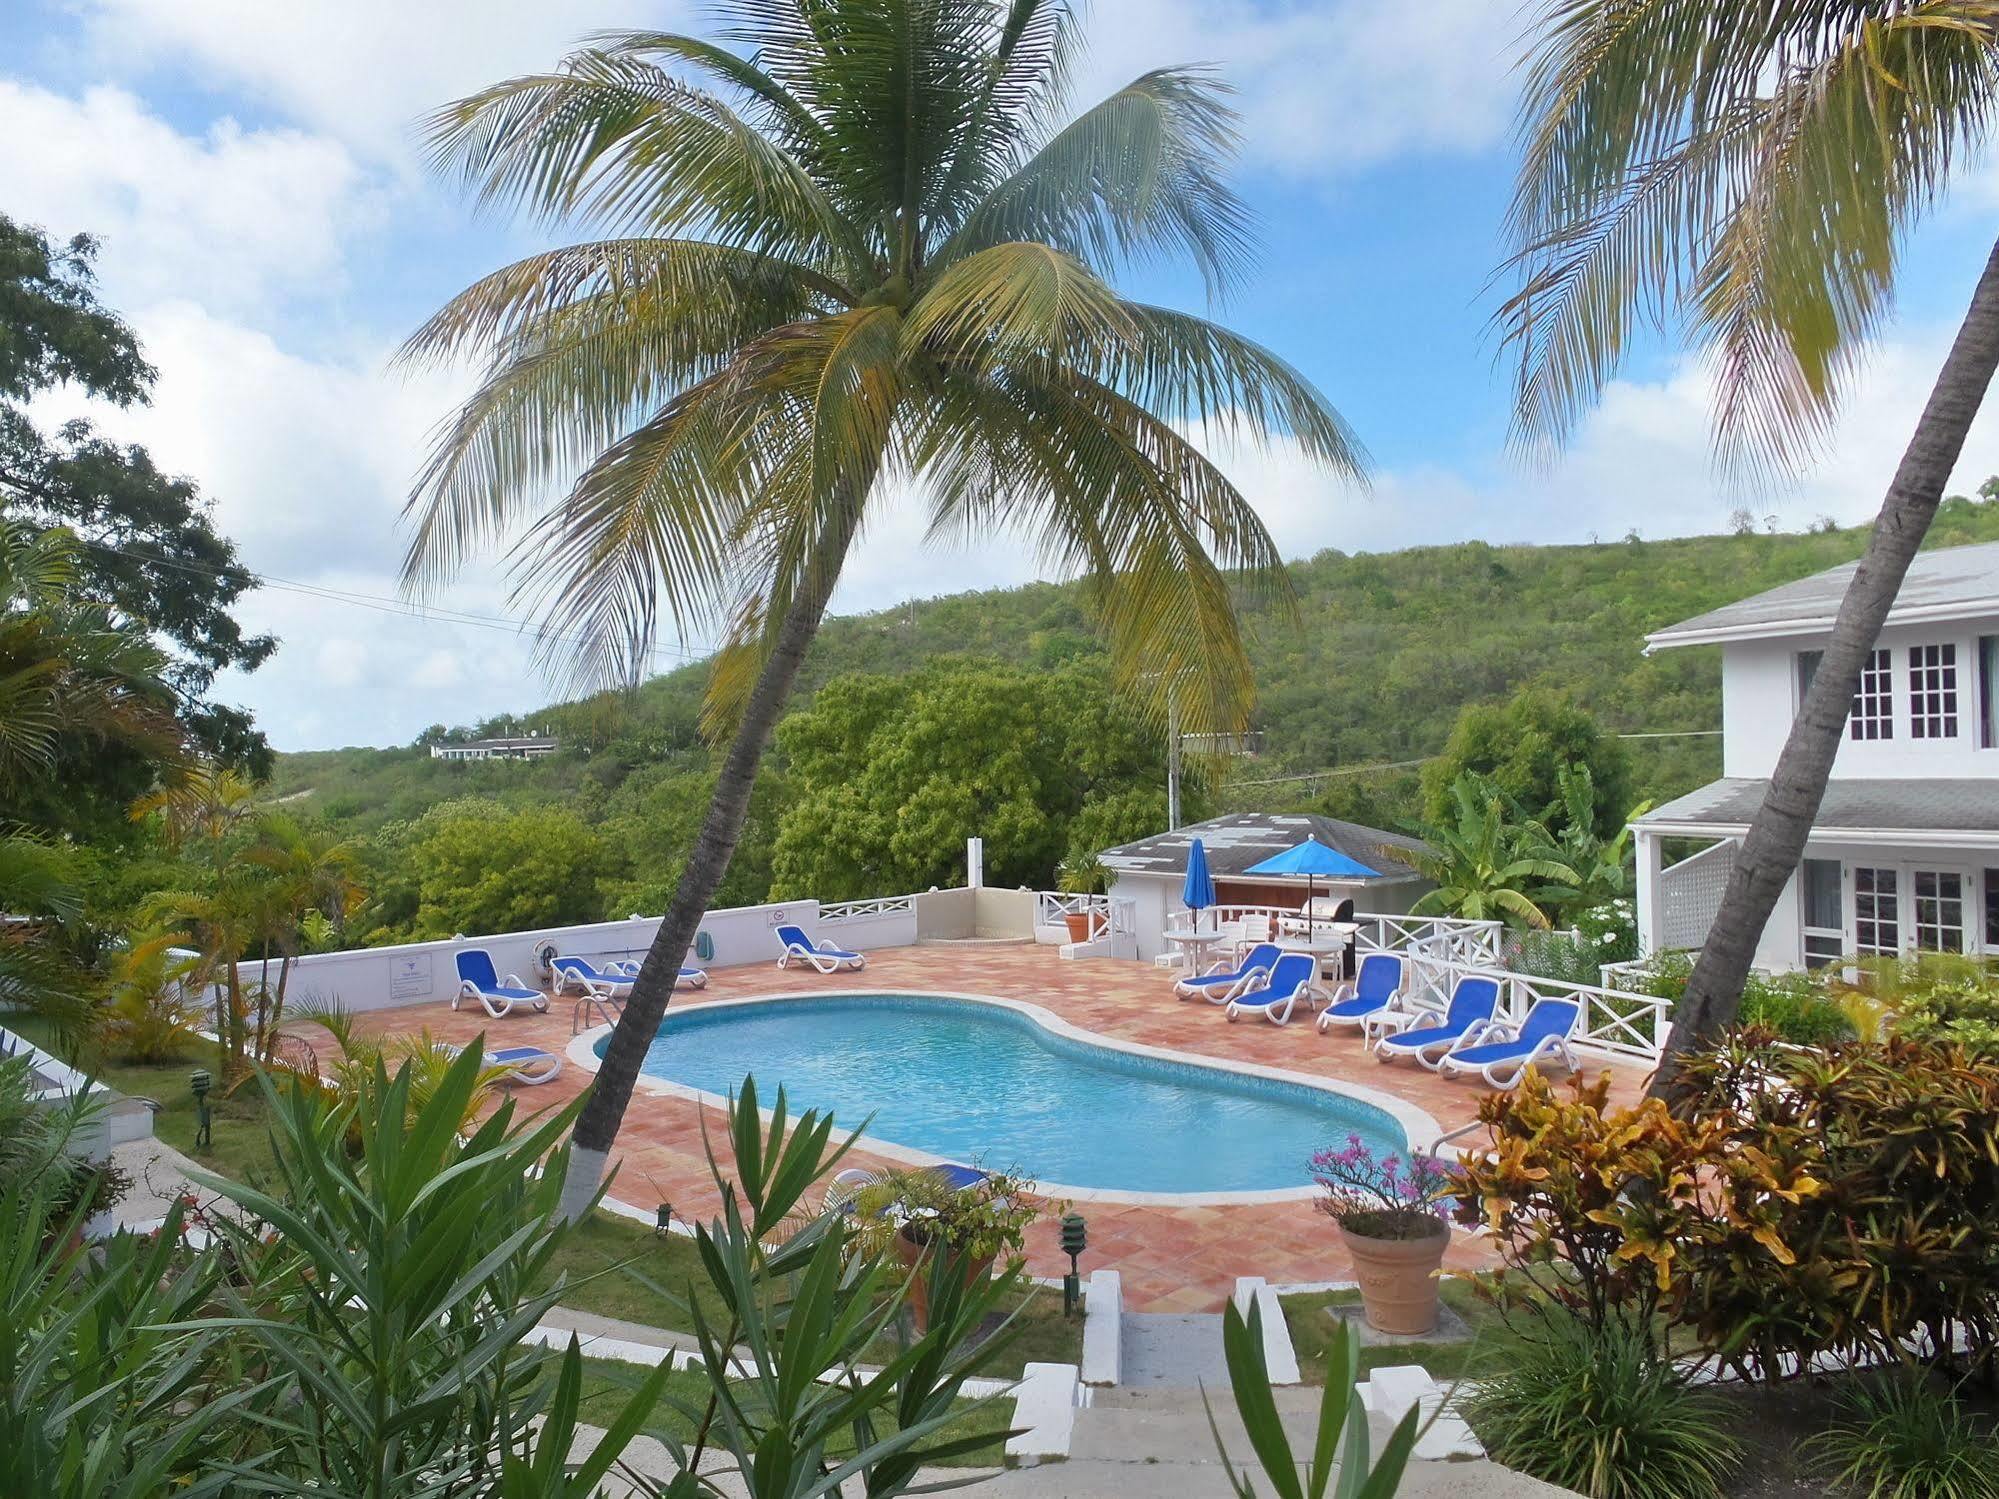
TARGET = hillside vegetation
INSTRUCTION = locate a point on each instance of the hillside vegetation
(1384, 653)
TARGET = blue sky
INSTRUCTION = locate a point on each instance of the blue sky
(269, 230)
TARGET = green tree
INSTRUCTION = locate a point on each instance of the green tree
(660, 832)
(859, 245)
(891, 775)
(1522, 746)
(150, 550)
(1744, 171)
(1488, 861)
(482, 868)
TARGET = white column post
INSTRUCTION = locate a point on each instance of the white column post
(1651, 901)
(975, 862)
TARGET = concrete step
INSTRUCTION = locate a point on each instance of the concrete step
(1183, 1351)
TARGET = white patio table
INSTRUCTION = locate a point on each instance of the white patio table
(1195, 943)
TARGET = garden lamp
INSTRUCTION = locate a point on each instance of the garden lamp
(1075, 1239)
(665, 1224)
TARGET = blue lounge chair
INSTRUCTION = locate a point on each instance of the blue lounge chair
(577, 975)
(477, 979)
(1502, 1055)
(1293, 977)
(1228, 983)
(522, 1064)
(1377, 987)
(1473, 1000)
(823, 956)
(687, 978)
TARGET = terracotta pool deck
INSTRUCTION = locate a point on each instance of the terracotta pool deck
(1171, 1259)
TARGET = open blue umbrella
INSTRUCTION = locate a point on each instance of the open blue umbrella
(1199, 891)
(1312, 859)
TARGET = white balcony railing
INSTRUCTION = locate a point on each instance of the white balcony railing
(862, 910)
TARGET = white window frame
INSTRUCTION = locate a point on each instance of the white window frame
(1934, 701)
(1873, 714)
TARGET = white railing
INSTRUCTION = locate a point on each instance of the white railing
(1050, 906)
(1450, 940)
(1611, 1020)
(861, 910)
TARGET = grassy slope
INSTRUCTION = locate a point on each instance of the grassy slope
(1385, 650)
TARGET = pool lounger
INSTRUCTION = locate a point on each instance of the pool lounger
(478, 980)
(577, 974)
(823, 956)
(1465, 1023)
(1502, 1057)
(1378, 988)
(687, 978)
(1225, 984)
(1294, 977)
(522, 1064)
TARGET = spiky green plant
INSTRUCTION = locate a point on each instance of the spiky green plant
(852, 256)
(1906, 1438)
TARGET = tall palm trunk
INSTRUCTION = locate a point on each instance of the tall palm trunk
(707, 863)
(1776, 838)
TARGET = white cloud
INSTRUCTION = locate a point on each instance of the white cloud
(228, 218)
(1326, 85)
(361, 70)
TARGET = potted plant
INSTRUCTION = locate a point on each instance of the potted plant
(1393, 1221)
(929, 1220)
(1082, 874)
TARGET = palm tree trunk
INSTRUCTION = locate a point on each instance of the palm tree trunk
(1776, 839)
(597, 1126)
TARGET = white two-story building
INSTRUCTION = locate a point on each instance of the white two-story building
(1905, 852)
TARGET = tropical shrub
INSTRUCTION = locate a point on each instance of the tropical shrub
(1803, 1203)
(1609, 930)
(1596, 1408)
(980, 1221)
(1906, 1438)
(1561, 956)
(1488, 861)
(1936, 997)
(148, 1015)
(1802, 1008)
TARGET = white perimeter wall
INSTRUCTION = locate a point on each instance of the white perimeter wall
(379, 978)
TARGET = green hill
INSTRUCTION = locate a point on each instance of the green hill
(1386, 650)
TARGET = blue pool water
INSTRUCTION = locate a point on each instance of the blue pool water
(986, 1085)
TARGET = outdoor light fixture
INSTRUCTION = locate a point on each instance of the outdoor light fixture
(665, 1224)
(199, 1082)
(1075, 1239)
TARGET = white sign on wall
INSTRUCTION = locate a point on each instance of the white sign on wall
(411, 978)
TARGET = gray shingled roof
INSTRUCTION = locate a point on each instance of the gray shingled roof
(1944, 584)
(1237, 840)
(1939, 806)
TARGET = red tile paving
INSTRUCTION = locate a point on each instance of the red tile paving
(1171, 1259)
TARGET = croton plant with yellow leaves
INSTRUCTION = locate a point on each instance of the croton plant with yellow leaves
(1801, 1202)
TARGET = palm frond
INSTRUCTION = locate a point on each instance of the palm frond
(1020, 301)
(1744, 168)
(1138, 178)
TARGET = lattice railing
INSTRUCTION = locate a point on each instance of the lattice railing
(860, 910)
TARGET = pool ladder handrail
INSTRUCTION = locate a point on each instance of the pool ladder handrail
(607, 1011)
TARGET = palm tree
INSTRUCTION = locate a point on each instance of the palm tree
(1488, 862)
(853, 259)
(306, 870)
(1747, 169)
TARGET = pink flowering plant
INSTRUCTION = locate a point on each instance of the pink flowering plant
(1381, 1199)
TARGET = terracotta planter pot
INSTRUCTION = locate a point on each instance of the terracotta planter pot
(1398, 1279)
(909, 1251)
(1081, 926)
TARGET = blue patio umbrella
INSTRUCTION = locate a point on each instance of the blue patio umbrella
(1312, 859)
(1199, 891)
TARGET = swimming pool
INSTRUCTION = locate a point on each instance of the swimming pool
(986, 1083)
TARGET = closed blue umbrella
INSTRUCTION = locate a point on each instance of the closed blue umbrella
(1199, 891)
(1312, 859)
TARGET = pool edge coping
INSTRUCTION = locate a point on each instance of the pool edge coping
(1420, 1129)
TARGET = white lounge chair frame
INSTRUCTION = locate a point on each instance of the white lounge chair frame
(500, 1006)
(1276, 1011)
(822, 956)
(1496, 1075)
(1350, 990)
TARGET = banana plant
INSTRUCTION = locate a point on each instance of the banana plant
(1340, 1466)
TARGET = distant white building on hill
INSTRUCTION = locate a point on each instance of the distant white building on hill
(1905, 852)
(529, 747)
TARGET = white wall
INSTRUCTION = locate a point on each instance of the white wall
(1759, 699)
(418, 972)
(1153, 901)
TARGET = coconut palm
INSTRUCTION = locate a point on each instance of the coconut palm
(1488, 861)
(852, 258)
(1743, 172)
